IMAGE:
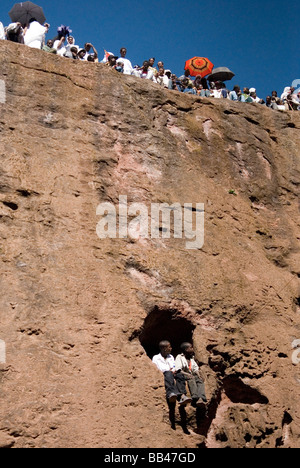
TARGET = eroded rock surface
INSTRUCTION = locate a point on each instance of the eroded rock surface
(81, 316)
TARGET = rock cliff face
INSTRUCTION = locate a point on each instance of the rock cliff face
(81, 316)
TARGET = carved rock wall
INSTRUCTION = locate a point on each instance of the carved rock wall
(81, 316)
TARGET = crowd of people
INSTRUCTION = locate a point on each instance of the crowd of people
(34, 34)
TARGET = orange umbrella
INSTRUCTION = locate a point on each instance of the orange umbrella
(199, 66)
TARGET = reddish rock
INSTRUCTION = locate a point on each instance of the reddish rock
(81, 316)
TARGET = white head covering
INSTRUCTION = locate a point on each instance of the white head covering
(68, 45)
(2, 32)
(286, 92)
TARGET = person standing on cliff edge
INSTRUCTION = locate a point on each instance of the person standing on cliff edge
(128, 68)
(34, 34)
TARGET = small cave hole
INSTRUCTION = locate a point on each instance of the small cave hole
(165, 324)
(221, 436)
(287, 419)
(24, 193)
(11, 205)
(238, 392)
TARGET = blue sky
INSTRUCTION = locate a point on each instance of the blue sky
(256, 39)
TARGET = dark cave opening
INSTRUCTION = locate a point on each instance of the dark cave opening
(238, 392)
(165, 324)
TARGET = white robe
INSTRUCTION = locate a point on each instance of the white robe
(60, 51)
(35, 35)
(286, 92)
(2, 33)
(69, 46)
(128, 69)
(162, 81)
(148, 76)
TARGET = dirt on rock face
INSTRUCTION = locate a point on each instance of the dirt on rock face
(82, 316)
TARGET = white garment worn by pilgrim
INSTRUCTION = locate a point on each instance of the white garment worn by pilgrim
(69, 46)
(286, 92)
(2, 32)
(141, 74)
(164, 364)
(255, 99)
(85, 58)
(128, 68)
(62, 49)
(35, 35)
(162, 81)
(217, 93)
